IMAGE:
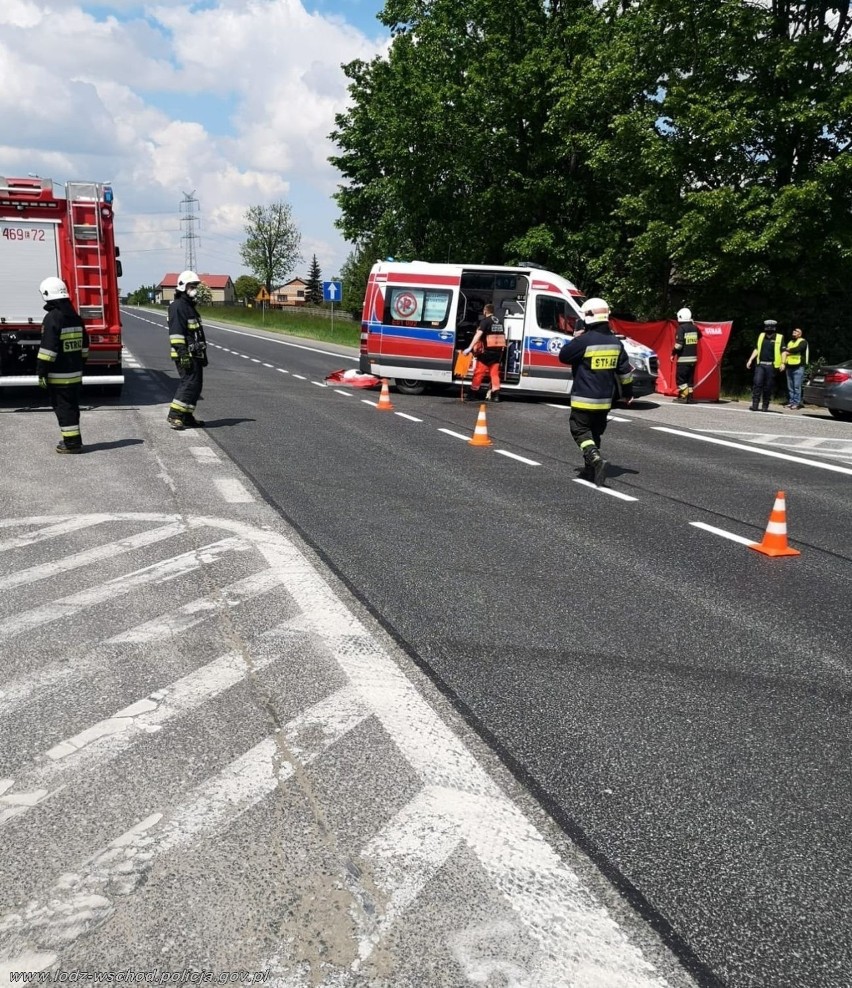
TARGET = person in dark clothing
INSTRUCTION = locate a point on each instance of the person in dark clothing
(599, 364)
(62, 353)
(767, 353)
(189, 350)
(488, 345)
(686, 351)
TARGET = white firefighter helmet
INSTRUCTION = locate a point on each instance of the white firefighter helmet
(185, 279)
(595, 310)
(684, 315)
(52, 289)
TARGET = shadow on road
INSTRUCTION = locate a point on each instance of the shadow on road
(116, 444)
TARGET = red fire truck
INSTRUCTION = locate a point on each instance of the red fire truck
(43, 233)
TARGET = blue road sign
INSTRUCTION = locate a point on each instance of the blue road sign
(332, 291)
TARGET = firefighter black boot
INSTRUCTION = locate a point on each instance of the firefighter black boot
(175, 421)
(66, 447)
(597, 465)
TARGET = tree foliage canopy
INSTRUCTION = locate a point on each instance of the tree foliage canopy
(247, 287)
(657, 152)
(271, 248)
(313, 284)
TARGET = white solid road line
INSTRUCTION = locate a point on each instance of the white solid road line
(747, 448)
(582, 942)
(723, 533)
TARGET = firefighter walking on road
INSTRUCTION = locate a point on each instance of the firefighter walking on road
(599, 364)
(686, 352)
(63, 351)
(188, 350)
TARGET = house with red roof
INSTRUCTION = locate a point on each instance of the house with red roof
(220, 285)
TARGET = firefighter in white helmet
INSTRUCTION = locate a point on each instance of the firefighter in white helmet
(188, 350)
(599, 364)
(686, 351)
(63, 351)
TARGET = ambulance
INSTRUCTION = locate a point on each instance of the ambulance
(418, 316)
(67, 232)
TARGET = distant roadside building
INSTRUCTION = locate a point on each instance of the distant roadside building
(220, 285)
(290, 294)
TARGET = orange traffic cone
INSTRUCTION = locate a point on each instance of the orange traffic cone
(384, 404)
(775, 539)
(480, 433)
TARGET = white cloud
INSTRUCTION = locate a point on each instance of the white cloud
(233, 103)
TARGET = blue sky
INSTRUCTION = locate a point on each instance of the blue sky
(232, 100)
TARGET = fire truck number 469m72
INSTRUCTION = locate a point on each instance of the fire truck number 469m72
(70, 235)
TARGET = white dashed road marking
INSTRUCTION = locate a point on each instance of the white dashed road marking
(723, 533)
(604, 490)
(232, 490)
(514, 456)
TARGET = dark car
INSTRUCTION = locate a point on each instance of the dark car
(831, 388)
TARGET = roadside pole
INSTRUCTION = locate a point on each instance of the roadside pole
(332, 291)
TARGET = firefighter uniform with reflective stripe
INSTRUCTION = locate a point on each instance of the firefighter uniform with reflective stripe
(686, 351)
(189, 351)
(598, 360)
(63, 351)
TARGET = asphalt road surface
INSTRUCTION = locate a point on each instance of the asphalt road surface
(668, 708)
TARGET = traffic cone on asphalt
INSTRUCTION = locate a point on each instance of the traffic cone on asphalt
(384, 404)
(775, 539)
(480, 433)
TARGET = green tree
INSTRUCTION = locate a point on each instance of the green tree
(271, 248)
(246, 287)
(655, 151)
(205, 296)
(354, 274)
(313, 286)
(144, 295)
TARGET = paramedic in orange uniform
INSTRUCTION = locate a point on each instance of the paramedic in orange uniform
(488, 344)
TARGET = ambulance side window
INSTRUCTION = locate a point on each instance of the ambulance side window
(417, 307)
(552, 313)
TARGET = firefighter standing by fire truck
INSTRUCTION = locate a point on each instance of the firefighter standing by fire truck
(62, 353)
(686, 352)
(599, 363)
(188, 350)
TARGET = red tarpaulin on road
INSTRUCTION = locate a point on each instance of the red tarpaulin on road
(660, 337)
(353, 379)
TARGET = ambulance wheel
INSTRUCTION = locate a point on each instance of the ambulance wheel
(406, 386)
(836, 413)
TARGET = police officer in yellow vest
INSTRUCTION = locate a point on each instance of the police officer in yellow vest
(794, 356)
(766, 357)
